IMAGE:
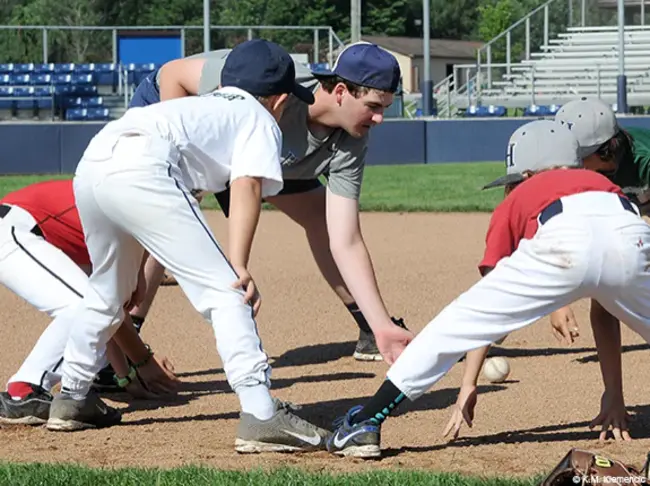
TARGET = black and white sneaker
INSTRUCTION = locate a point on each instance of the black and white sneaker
(34, 409)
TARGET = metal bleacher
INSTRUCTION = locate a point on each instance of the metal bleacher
(581, 61)
(67, 91)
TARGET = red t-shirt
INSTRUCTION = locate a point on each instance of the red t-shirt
(515, 219)
(53, 207)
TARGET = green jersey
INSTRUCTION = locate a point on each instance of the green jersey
(633, 176)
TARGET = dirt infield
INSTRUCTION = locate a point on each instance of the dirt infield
(423, 261)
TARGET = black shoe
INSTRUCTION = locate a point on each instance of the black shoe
(366, 349)
(34, 409)
(68, 414)
(105, 383)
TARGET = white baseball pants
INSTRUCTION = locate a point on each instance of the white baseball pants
(594, 249)
(46, 278)
(133, 197)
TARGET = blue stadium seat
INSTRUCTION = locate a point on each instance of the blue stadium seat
(553, 109)
(494, 110)
(44, 68)
(45, 103)
(21, 79)
(75, 114)
(106, 74)
(5, 79)
(537, 110)
(478, 111)
(41, 79)
(83, 90)
(93, 102)
(23, 68)
(137, 72)
(6, 91)
(98, 114)
(66, 68)
(72, 102)
(84, 68)
(24, 91)
(82, 79)
(6, 68)
(62, 79)
(43, 91)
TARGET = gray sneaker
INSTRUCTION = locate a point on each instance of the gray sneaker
(283, 432)
(34, 409)
(366, 349)
(68, 414)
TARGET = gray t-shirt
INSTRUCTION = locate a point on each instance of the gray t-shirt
(305, 155)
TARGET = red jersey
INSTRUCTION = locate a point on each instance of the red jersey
(515, 219)
(53, 207)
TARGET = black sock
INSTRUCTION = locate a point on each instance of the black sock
(137, 322)
(381, 405)
(358, 317)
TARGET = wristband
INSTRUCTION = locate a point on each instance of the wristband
(127, 380)
(145, 360)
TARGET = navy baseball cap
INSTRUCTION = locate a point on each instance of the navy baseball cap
(367, 65)
(263, 68)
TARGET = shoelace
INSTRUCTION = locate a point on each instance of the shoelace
(289, 408)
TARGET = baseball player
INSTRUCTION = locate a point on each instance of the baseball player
(44, 260)
(133, 188)
(327, 138)
(623, 156)
(560, 235)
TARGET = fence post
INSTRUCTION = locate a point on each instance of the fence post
(45, 53)
(488, 54)
(546, 25)
(250, 34)
(508, 53)
(114, 31)
(532, 85)
(330, 55)
(182, 42)
(527, 38)
(315, 46)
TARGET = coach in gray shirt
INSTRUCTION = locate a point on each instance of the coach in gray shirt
(328, 138)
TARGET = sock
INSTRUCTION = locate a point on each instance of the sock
(256, 400)
(74, 394)
(19, 390)
(137, 322)
(358, 317)
(381, 405)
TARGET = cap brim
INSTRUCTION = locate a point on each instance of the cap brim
(505, 181)
(322, 73)
(303, 94)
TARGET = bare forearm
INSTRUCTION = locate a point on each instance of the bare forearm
(245, 206)
(153, 275)
(356, 269)
(473, 364)
(607, 334)
(127, 338)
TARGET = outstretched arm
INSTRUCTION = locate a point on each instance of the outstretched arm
(353, 260)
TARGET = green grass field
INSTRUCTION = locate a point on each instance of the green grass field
(448, 187)
(39, 474)
(441, 187)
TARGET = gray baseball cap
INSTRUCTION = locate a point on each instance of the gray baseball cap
(537, 145)
(592, 122)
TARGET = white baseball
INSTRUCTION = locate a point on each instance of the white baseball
(496, 369)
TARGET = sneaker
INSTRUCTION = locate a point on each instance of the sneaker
(355, 440)
(283, 432)
(68, 414)
(105, 383)
(34, 409)
(366, 349)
